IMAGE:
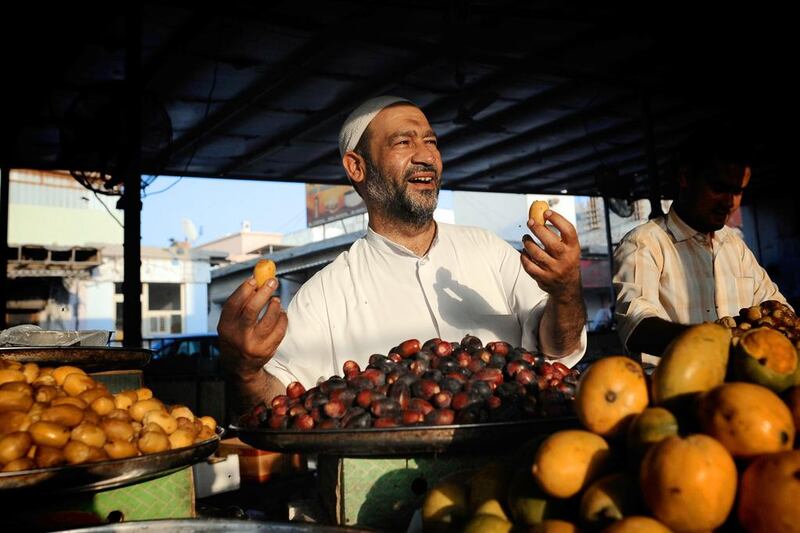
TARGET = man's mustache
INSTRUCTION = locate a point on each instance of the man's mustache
(414, 169)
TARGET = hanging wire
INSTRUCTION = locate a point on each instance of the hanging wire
(165, 189)
(108, 210)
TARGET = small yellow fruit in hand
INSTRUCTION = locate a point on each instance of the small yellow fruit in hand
(536, 211)
(264, 270)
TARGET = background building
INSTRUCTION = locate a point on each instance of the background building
(66, 270)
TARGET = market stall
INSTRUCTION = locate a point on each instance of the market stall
(707, 441)
(460, 433)
(84, 442)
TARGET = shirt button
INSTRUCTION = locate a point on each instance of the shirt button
(423, 261)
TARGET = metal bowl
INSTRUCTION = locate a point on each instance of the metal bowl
(88, 358)
(105, 474)
(399, 441)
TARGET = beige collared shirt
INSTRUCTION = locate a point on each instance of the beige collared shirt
(378, 294)
(666, 269)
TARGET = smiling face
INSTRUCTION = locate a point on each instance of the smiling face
(403, 167)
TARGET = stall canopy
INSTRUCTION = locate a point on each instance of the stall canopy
(526, 96)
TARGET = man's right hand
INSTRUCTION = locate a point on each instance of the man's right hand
(246, 342)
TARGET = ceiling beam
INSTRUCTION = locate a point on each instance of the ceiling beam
(493, 81)
(374, 87)
(287, 71)
(559, 125)
(631, 153)
(194, 25)
(581, 141)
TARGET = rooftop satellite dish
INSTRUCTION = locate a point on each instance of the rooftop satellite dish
(189, 230)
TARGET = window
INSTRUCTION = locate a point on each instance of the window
(162, 308)
(164, 296)
(176, 324)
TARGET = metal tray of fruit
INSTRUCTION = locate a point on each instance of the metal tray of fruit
(89, 477)
(91, 358)
(404, 440)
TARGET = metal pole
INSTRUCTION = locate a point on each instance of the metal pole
(610, 250)
(5, 178)
(650, 154)
(132, 201)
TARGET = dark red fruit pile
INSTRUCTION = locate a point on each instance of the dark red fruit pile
(436, 383)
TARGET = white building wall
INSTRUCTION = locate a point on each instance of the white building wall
(505, 214)
(95, 303)
(51, 208)
(196, 301)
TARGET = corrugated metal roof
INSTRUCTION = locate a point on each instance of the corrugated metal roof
(525, 96)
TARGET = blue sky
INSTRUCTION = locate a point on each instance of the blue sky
(217, 207)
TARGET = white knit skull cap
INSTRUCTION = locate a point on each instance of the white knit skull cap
(356, 123)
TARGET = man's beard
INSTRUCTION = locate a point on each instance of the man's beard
(396, 201)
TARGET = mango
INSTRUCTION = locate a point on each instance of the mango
(695, 361)
(610, 498)
(610, 393)
(637, 524)
(748, 419)
(569, 460)
(528, 504)
(490, 482)
(445, 506)
(766, 357)
(770, 493)
(492, 507)
(555, 526)
(652, 425)
(689, 483)
(484, 523)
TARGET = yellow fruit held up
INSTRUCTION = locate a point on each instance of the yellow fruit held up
(264, 270)
(536, 211)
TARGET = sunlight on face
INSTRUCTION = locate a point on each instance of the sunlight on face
(404, 171)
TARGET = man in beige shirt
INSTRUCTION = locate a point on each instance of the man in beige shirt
(688, 267)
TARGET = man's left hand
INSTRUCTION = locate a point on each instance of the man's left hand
(556, 264)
